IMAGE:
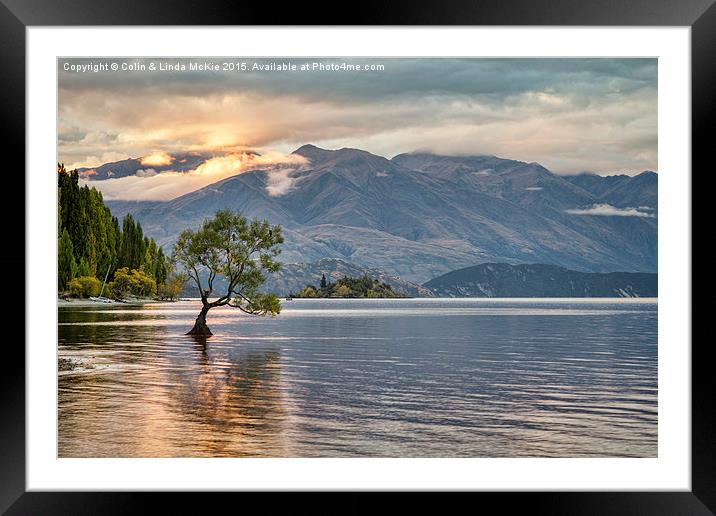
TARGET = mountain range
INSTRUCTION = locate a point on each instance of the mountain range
(181, 162)
(417, 216)
(538, 280)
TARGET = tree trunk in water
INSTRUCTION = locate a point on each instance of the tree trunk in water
(200, 327)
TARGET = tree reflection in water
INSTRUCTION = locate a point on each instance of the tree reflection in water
(231, 395)
(146, 390)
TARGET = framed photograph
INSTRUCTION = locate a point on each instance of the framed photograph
(434, 250)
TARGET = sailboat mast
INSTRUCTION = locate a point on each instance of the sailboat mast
(105, 280)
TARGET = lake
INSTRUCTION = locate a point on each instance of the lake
(362, 378)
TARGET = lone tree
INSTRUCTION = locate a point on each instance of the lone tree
(230, 246)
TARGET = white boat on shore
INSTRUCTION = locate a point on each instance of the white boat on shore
(101, 299)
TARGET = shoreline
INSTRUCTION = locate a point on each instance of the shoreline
(89, 302)
(139, 302)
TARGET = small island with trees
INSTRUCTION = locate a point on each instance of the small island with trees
(363, 287)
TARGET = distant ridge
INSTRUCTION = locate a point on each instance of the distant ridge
(417, 216)
(181, 162)
(538, 280)
(620, 190)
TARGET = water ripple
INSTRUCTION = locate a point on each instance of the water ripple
(359, 378)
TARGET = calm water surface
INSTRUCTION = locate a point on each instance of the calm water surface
(347, 378)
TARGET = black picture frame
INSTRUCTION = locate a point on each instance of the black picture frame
(17, 15)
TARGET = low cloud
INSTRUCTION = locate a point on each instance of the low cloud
(147, 172)
(148, 185)
(607, 210)
(280, 182)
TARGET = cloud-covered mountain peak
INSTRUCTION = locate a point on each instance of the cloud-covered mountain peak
(445, 165)
(345, 158)
(310, 151)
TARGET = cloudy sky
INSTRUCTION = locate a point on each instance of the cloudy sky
(570, 115)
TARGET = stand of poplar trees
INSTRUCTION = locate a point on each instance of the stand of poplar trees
(91, 240)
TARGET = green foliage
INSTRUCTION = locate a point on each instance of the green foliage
(352, 288)
(83, 268)
(85, 286)
(308, 291)
(341, 290)
(66, 264)
(81, 211)
(173, 285)
(241, 251)
(159, 269)
(91, 241)
(131, 282)
(133, 250)
(260, 304)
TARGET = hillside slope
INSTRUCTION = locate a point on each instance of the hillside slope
(538, 280)
(420, 215)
